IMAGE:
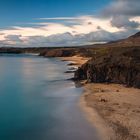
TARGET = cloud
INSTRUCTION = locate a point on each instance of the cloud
(124, 14)
(56, 34)
(84, 24)
(67, 39)
(1, 33)
(13, 40)
(124, 22)
(123, 7)
(13, 37)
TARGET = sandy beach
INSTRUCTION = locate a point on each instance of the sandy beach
(75, 60)
(113, 109)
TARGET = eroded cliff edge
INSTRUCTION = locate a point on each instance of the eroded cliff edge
(112, 65)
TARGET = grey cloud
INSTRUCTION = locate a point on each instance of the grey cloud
(89, 23)
(15, 38)
(123, 7)
(1, 33)
(2, 44)
(121, 11)
(12, 39)
(53, 40)
(123, 21)
(99, 28)
(99, 36)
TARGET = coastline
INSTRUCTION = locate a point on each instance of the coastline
(113, 109)
(75, 60)
(92, 115)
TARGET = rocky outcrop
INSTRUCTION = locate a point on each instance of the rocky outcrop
(121, 66)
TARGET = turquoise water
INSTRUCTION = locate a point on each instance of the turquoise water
(37, 102)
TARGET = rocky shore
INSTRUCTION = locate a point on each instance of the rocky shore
(112, 65)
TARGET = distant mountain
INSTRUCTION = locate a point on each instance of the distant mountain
(133, 40)
(136, 35)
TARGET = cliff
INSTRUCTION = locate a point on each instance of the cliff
(115, 62)
(112, 65)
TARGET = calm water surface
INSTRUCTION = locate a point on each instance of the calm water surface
(38, 103)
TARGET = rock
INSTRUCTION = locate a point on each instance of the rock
(69, 71)
(79, 74)
(103, 100)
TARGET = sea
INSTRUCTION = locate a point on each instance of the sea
(38, 102)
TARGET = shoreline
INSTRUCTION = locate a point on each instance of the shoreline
(91, 114)
(75, 60)
(112, 109)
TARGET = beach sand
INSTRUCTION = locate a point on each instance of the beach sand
(114, 110)
(75, 60)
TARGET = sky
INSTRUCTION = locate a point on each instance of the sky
(48, 23)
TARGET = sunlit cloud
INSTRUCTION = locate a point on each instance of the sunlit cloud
(84, 29)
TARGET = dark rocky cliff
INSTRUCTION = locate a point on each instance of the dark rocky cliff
(113, 65)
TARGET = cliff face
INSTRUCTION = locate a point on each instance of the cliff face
(114, 66)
